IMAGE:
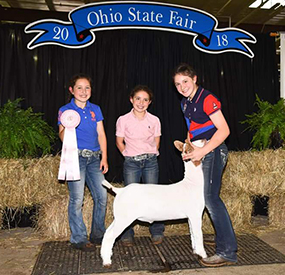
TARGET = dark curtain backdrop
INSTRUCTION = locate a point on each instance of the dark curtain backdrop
(121, 59)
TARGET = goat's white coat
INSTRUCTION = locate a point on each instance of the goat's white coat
(158, 202)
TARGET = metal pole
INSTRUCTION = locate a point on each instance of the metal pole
(282, 64)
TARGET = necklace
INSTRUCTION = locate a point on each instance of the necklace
(193, 93)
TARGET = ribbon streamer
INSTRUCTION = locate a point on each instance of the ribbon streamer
(69, 161)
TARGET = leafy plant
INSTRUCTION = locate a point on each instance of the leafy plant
(23, 133)
(267, 123)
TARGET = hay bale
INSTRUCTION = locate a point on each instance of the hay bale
(207, 226)
(239, 206)
(52, 218)
(239, 209)
(276, 210)
(53, 215)
(1, 217)
(256, 172)
(237, 202)
(28, 182)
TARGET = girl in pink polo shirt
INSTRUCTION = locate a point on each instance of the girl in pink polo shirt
(138, 137)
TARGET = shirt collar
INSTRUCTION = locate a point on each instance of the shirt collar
(132, 112)
(88, 105)
(197, 94)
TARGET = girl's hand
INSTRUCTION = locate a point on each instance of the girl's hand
(104, 166)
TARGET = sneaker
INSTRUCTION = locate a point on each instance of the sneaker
(157, 239)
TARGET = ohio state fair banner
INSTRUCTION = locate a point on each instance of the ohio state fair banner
(78, 32)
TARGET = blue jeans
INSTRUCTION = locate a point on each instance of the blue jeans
(213, 166)
(146, 170)
(89, 171)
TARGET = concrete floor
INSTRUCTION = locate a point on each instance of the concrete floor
(19, 248)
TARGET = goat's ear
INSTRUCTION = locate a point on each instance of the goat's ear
(179, 145)
(188, 148)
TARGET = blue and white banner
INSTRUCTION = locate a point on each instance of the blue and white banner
(87, 19)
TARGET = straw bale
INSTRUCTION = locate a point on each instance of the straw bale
(276, 210)
(53, 215)
(239, 206)
(28, 182)
(256, 172)
(1, 216)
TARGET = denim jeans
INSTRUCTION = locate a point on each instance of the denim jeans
(146, 170)
(213, 165)
(89, 171)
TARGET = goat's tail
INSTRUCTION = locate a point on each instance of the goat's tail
(110, 186)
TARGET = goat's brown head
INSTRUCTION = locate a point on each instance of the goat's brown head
(185, 148)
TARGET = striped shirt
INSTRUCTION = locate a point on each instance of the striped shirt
(197, 114)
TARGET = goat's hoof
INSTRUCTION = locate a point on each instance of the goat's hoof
(107, 265)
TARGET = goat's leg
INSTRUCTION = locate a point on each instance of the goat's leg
(112, 232)
(195, 226)
(107, 245)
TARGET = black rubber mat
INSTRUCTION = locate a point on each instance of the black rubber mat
(175, 253)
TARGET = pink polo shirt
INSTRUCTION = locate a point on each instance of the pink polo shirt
(139, 135)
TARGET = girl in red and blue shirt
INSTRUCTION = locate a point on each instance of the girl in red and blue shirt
(205, 120)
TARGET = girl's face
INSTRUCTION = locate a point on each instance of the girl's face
(81, 91)
(140, 101)
(186, 85)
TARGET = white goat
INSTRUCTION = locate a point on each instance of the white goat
(158, 202)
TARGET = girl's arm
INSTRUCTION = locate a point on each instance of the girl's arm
(219, 137)
(157, 141)
(103, 146)
(120, 144)
(61, 132)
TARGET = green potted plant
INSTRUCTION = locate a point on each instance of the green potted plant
(23, 133)
(268, 124)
